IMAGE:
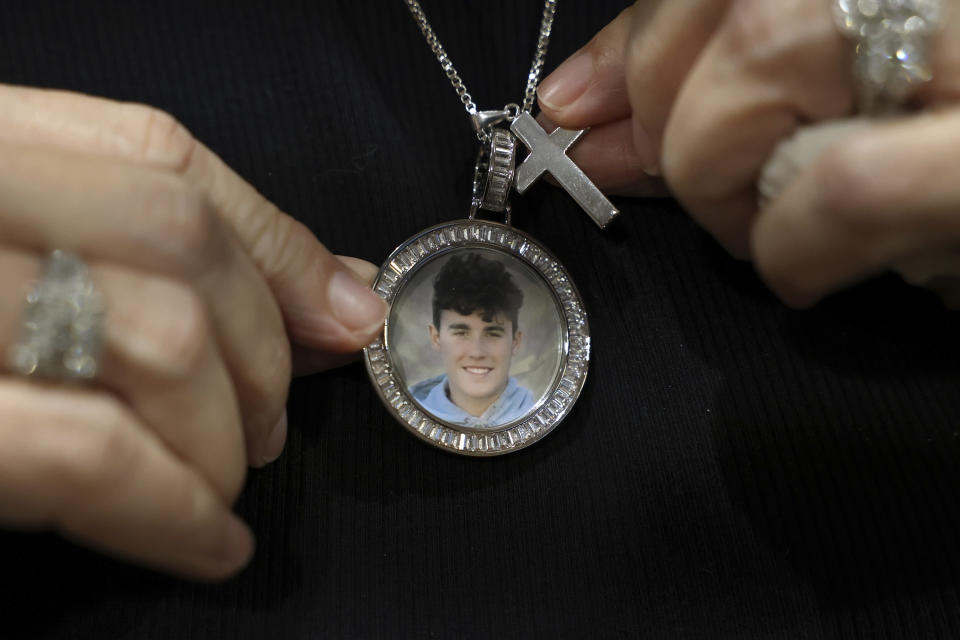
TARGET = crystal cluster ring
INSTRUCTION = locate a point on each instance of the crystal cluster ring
(893, 47)
(62, 333)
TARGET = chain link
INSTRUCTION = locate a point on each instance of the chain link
(543, 41)
(533, 77)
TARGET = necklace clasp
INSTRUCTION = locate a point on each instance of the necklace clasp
(483, 121)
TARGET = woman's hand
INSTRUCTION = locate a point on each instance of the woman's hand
(700, 92)
(206, 285)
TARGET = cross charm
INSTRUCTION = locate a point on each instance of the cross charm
(549, 153)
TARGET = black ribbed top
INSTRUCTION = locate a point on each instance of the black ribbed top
(734, 469)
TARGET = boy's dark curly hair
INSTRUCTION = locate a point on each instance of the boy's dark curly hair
(474, 283)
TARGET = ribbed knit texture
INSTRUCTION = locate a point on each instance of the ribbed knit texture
(733, 469)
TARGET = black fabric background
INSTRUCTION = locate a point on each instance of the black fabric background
(734, 469)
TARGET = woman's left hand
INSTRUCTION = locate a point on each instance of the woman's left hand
(700, 92)
(294, 283)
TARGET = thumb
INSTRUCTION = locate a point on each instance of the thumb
(326, 304)
(589, 88)
(306, 360)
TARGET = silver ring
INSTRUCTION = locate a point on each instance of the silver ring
(893, 40)
(61, 337)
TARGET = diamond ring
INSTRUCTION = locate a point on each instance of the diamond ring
(893, 47)
(61, 337)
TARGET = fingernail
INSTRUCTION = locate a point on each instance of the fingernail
(561, 88)
(644, 150)
(354, 305)
(237, 543)
(276, 440)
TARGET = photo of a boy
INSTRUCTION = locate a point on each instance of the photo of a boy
(476, 306)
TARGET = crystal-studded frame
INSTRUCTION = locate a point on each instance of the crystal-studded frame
(575, 338)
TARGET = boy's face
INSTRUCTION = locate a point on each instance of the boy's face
(476, 355)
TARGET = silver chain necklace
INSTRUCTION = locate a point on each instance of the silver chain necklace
(486, 345)
(496, 170)
(533, 77)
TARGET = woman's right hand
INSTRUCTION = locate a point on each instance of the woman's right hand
(703, 91)
(206, 286)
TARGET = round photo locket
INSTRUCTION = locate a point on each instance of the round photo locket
(486, 345)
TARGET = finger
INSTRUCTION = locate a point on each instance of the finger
(589, 88)
(320, 302)
(79, 462)
(882, 194)
(155, 221)
(307, 361)
(160, 356)
(607, 155)
(366, 272)
(756, 80)
(666, 40)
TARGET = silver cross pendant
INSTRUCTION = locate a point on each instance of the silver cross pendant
(548, 153)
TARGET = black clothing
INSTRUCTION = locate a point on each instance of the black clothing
(734, 469)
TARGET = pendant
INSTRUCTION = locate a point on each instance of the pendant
(548, 154)
(486, 345)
